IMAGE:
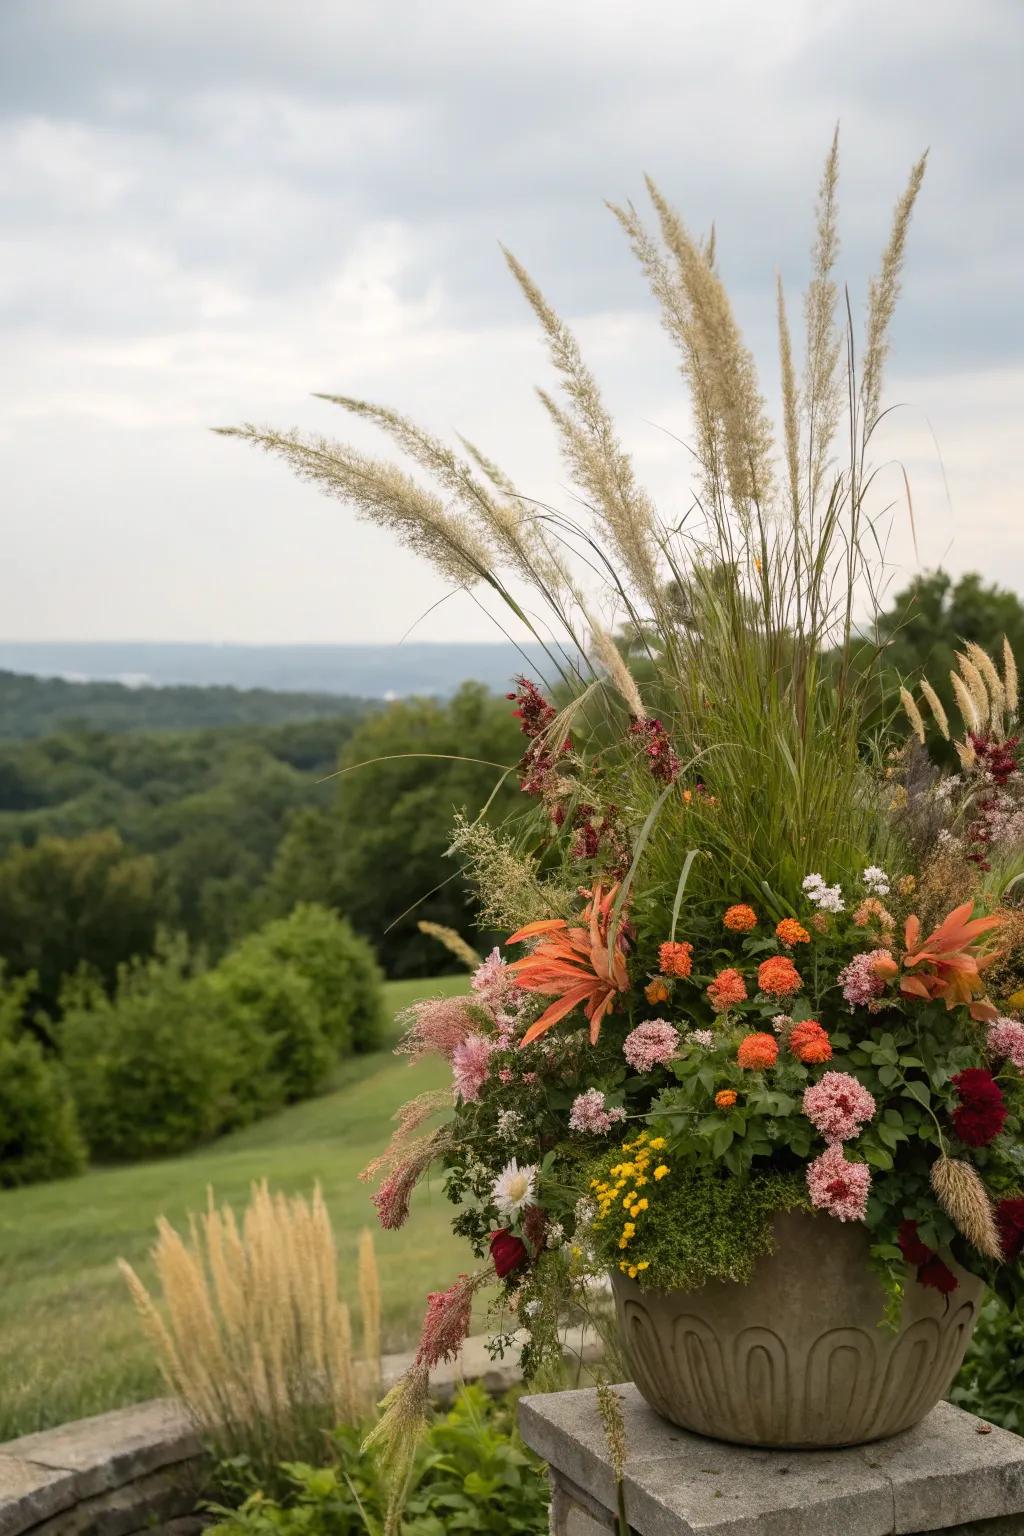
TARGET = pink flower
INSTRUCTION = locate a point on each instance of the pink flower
(838, 1106)
(392, 1199)
(859, 980)
(650, 1045)
(504, 1074)
(1006, 1038)
(437, 1025)
(589, 1114)
(838, 1186)
(470, 1065)
(701, 1037)
(496, 989)
(446, 1322)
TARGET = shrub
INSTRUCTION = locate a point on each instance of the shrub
(989, 1379)
(39, 1137)
(254, 993)
(157, 1068)
(472, 1474)
(253, 1336)
(339, 966)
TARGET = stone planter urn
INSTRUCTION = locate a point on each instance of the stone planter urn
(800, 1357)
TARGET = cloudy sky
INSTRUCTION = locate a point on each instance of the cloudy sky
(212, 208)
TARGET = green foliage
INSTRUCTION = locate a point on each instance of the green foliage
(472, 1474)
(394, 817)
(340, 968)
(68, 901)
(39, 706)
(39, 1136)
(159, 1067)
(991, 1379)
(705, 1225)
(254, 992)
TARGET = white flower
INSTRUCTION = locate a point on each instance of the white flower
(828, 898)
(532, 1308)
(555, 1235)
(813, 884)
(704, 1037)
(876, 880)
(585, 1213)
(510, 1123)
(513, 1188)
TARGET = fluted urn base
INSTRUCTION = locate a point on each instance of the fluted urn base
(800, 1357)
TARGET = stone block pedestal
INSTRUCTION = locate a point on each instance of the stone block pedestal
(951, 1473)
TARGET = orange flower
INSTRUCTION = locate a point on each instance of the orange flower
(726, 1098)
(778, 976)
(656, 991)
(757, 1052)
(791, 932)
(948, 965)
(676, 959)
(809, 1042)
(578, 966)
(820, 922)
(727, 988)
(872, 911)
(740, 919)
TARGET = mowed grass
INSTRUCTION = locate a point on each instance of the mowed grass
(70, 1344)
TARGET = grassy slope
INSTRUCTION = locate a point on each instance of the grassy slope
(69, 1342)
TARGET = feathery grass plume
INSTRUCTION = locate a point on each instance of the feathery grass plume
(965, 703)
(599, 464)
(993, 682)
(936, 706)
(396, 1434)
(1010, 687)
(610, 657)
(452, 941)
(728, 365)
(966, 753)
(882, 296)
(822, 384)
(965, 1200)
(976, 683)
(609, 1406)
(382, 494)
(369, 1303)
(913, 714)
(790, 419)
(506, 883)
(677, 320)
(250, 1325)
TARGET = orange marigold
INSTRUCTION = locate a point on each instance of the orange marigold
(656, 991)
(725, 1098)
(791, 932)
(740, 919)
(810, 1043)
(778, 976)
(676, 959)
(727, 988)
(758, 1051)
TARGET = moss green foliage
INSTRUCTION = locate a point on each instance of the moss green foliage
(991, 1379)
(701, 1225)
(472, 1474)
(39, 1137)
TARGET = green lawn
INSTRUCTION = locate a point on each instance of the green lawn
(69, 1342)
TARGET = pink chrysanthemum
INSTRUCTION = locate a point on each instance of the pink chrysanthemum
(860, 981)
(650, 1045)
(838, 1106)
(436, 1026)
(838, 1186)
(588, 1113)
(470, 1065)
(1006, 1039)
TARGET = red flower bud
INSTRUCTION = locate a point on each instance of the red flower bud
(508, 1252)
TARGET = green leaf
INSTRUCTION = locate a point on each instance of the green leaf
(887, 1076)
(917, 1090)
(721, 1141)
(878, 1157)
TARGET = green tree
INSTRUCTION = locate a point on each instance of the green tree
(66, 901)
(394, 817)
(39, 1137)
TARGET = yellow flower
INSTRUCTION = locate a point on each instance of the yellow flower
(644, 1264)
(660, 1171)
(641, 1205)
(658, 1143)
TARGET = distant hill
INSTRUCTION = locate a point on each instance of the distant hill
(363, 671)
(44, 706)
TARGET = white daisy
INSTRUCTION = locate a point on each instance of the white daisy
(513, 1188)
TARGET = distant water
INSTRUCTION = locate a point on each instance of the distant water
(367, 671)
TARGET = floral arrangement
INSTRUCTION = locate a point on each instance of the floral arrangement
(758, 957)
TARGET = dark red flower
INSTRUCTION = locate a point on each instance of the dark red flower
(659, 751)
(937, 1276)
(508, 1252)
(910, 1245)
(1010, 1221)
(981, 1114)
(533, 711)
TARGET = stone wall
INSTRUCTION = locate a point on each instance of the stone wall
(135, 1472)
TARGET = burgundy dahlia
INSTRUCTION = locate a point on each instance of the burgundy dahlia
(1010, 1221)
(932, 1273)
(981, 1113)
(910, 1245)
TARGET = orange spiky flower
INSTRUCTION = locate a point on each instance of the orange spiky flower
(576, 965)
(949, 964)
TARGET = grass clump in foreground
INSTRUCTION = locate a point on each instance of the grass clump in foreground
(70, 1343)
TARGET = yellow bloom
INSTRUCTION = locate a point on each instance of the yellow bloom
(644, 1264)
(658, 1143)
(660, 1171)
